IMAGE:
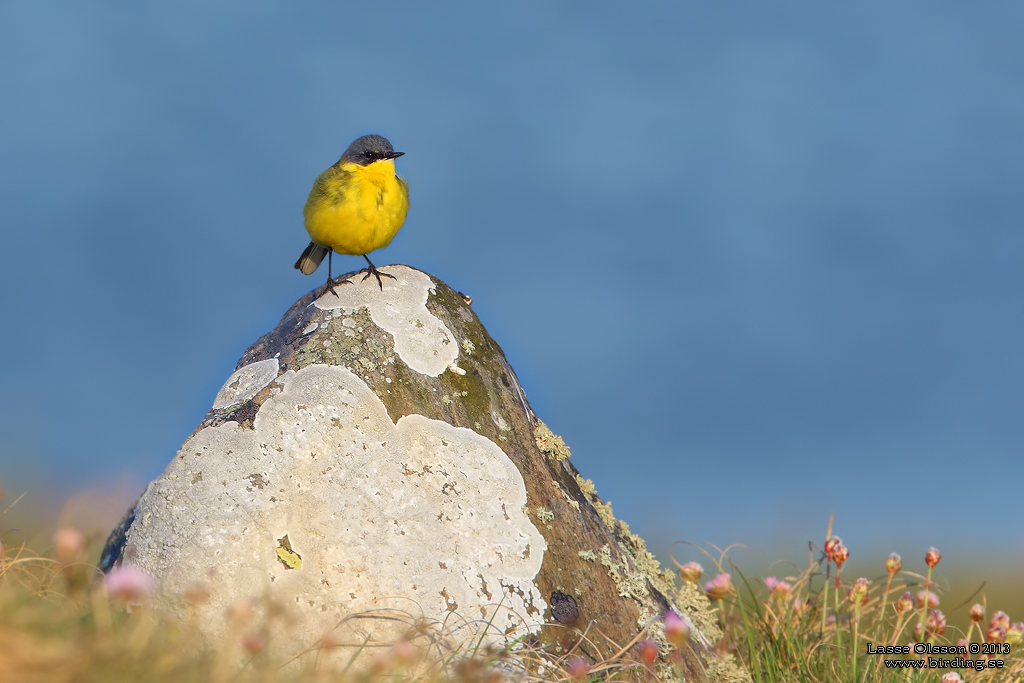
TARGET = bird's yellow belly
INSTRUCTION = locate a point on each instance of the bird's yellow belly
(368, 218)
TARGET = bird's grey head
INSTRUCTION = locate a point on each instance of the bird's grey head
(368, 149)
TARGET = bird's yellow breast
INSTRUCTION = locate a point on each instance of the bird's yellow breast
(355, 209)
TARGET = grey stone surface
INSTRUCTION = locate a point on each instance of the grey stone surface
(373, 455)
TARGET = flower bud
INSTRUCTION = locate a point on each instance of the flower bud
(69, 544)
(719, 586)
(893, 564)
(648, 652)
(840, 554)
(996, 634)
(927, 598)
(830, 544)
(859, 592)
(935, 624)
(577, 669)
(238, 612)
(404, 652)
(977, 612)
(128, 582)
(254, 643)
(1000, 618)
(691, 572)
(1015, 633)
(677, 631)
(330, 639)
(905, 602)
(951, 677)
(932, 557)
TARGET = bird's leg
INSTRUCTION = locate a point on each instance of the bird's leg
(330, 280)
(372, 270)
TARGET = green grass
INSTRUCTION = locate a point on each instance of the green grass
(60, 623)
(816, 625)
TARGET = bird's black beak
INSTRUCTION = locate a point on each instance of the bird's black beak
(394, 155)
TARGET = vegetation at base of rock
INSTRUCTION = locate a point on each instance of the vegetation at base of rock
(60, 623)
(815, 626)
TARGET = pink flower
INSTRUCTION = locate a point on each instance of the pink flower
(932, 557)
(128, 582)
(677, 631)
(935, 623)
(830, 544)
(771, 582)
(577, 669)
(69, 544)
(404, 652)
(927, 597)
(859, 592)
(648, 652)
(893, 564)
(254, 643)
(840, 554)
(719, 586)
(951, 677)
(691, 572)
(996, 634)
(977, 612)
(905, 602)
(782, 589)
(1000, 618)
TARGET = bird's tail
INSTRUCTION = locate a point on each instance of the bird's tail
(311, 258)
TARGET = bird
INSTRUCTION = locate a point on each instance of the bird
(356, 206)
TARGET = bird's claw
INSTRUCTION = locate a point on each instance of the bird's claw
(330, 286)
(371, 270)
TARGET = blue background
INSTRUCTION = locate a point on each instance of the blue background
(754, 262)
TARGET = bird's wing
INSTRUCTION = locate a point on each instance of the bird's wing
(404, 185)
(330, 186)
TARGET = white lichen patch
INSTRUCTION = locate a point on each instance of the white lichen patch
(418, 516)
(422, 340)
(246, 382)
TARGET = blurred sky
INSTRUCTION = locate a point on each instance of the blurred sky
(755, 262)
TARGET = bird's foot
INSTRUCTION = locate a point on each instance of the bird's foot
(330, 286)
(372, 270)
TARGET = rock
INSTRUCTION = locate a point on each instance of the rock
(375, 456)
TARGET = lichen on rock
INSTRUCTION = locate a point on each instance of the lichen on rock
(375, 450)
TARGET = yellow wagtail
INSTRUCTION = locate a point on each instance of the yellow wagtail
(356, 206)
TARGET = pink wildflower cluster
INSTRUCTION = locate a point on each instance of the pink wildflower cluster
(778, 589)
(128, 582)
(858, 594)
(719, 587)
(1000, 630)
(677, 629)
(691, 572)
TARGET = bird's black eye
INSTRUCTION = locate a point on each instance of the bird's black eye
(368, 154)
